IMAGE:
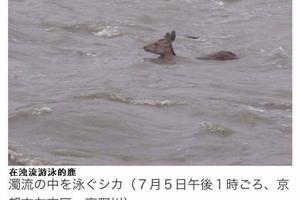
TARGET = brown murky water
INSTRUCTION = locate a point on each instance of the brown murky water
(83, 92)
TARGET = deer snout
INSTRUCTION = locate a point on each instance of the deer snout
(146, 48)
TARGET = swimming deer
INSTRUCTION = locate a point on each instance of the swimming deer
(163, 47)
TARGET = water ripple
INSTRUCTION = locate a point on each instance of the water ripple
(132, 101)
(32, 111)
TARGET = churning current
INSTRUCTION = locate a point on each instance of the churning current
(82, 91)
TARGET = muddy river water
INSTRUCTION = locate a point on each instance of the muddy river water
(82, 91)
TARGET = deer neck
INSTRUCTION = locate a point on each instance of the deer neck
(169, 53)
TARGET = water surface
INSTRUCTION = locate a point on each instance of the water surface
(83, 92)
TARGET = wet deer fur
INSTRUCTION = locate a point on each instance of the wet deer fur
(163, 47)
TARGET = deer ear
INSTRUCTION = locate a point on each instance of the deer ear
(172, 36)
(168, 36)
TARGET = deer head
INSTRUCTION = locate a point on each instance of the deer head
(163, 47)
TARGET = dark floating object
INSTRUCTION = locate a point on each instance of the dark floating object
(192, 37)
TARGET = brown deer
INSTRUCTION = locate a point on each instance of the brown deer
(163, 47)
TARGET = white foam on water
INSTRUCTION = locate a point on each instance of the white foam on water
(109, 32)
(151, 102)
(280, 51)
(220, 3)
(165, 102)
(251, 108)
(41, 110)
(189, 103)
(16, 158)
(215, 129)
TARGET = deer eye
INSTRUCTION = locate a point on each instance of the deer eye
(156, 44)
